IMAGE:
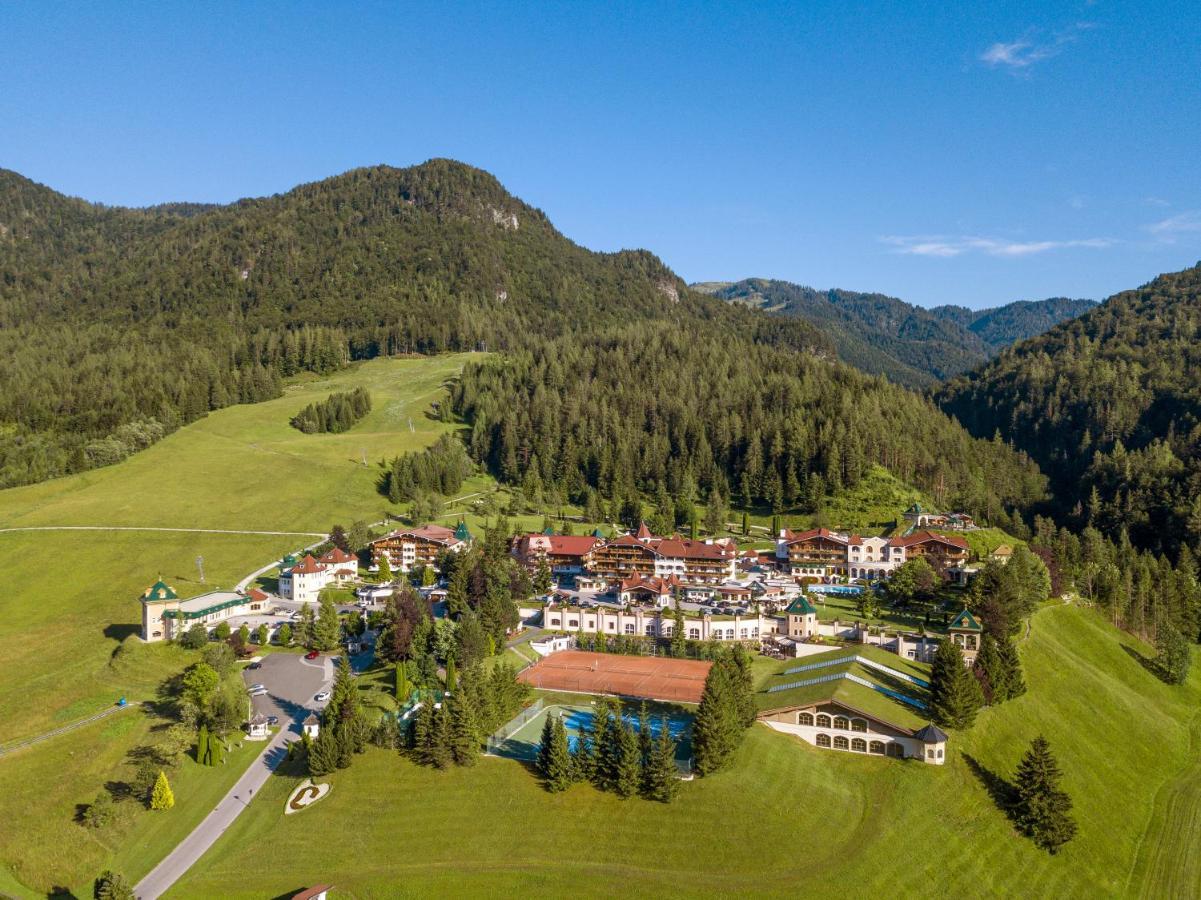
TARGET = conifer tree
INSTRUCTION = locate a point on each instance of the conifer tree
(660, 775)
(627, 775)
(743, 684)
(284, 635)
(463, 738)
(203, 756)
(305, 625)
(162, 796)
(717, 729)
(1042, 810)
(423, 729)
(608, 744)
(644, 732)
(992, 671)
(555, 763)
(383, 569)
(324, 753)
(450, 675)
(679, 648)
(403, 686)
(1012, 666)
(327, 629)
(955, 694)
(1172, 655)
(439, 752)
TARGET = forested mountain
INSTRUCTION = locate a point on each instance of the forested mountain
(1110, 406)
(882, 335)
(123, 324)
(1014, 322)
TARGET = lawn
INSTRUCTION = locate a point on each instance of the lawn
(71, 609)
(787, 819)
(45, 848)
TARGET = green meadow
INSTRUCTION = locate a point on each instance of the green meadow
(786, 819)
(69, 616)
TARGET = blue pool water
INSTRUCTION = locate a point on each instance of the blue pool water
(577, 720)
(851, 589)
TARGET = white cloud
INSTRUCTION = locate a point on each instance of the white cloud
(1181, 223)
(945, 247)
(1019, 55)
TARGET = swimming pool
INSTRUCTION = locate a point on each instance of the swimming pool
(850, 589)
(524, 743)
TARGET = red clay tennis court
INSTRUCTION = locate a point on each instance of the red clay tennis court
(649, 677)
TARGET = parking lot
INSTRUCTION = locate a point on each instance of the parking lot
(291, 682)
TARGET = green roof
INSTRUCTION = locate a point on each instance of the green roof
(801, 607)
(849, 693)
(597, 533)
(461, 532)
(548, 531)
(160, 590)
(965, 621)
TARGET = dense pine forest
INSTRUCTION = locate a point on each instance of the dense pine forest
(681, 407)
(335, 414)
(1109, 404)
(129, 323)
(911, 345)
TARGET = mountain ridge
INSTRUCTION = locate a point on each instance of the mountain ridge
(912, 345)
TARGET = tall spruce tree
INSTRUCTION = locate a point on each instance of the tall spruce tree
(717, 729)
(464, 737)
(627, 775)
(991, 670)
(1042, 810)
(1012, 665)
(554, 756)
(955, 694)
(660, 779)
(327, 629)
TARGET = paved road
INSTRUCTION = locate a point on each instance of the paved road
(149, 528)
(179, 860)
(292, 682)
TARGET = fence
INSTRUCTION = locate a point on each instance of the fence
(819, 665)
(498, 738)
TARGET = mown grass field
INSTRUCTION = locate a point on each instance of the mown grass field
(787, 819)
(70, 607)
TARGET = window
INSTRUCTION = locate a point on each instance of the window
(742, 633)
(805, 719)
(823, 721)
(896, 750)
(858, 725)
(929, 753)
(971, 642)
(910, 654)
(629, 627)
(755, 632)
(876, 747)
(611, 626)
(668, 628)
(823, 740)
(841, 723)
(573, 623)
(940, 754)
(840, 743)
(650, 630)
(694, 633)
(859, 745)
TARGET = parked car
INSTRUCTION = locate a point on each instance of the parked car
(255, 665)
(256, 687)
(312, 654)
(258, 691)
(272, 720)
(322, 696)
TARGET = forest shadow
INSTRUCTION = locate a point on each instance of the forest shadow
(1145, 661)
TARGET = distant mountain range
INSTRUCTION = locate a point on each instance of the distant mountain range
(909, 344)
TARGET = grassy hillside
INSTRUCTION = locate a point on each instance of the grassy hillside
(793, 820)
(67, 618)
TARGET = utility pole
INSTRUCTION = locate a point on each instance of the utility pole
(363, 450)
(200, 566)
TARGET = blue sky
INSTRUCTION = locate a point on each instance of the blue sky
(939, 152)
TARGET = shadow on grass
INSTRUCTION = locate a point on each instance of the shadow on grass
(1146, 662)
(1003, 794)
(119, 632)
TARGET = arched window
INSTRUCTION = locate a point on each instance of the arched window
(877, 747)
(823, 721)
(840, 743)
(823, 740)
(940, 754)
(971, 642)
(959, 639)
(805, 719)
(859, 745)
(858, 725)
(896, 750)
(841, 723)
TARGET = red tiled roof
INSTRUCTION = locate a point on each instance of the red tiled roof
(643, 531)
(571, 544)
(337, 555)
(924, 537)
(256, 594)
(307, 566)
(650, 583)
(792, 537)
